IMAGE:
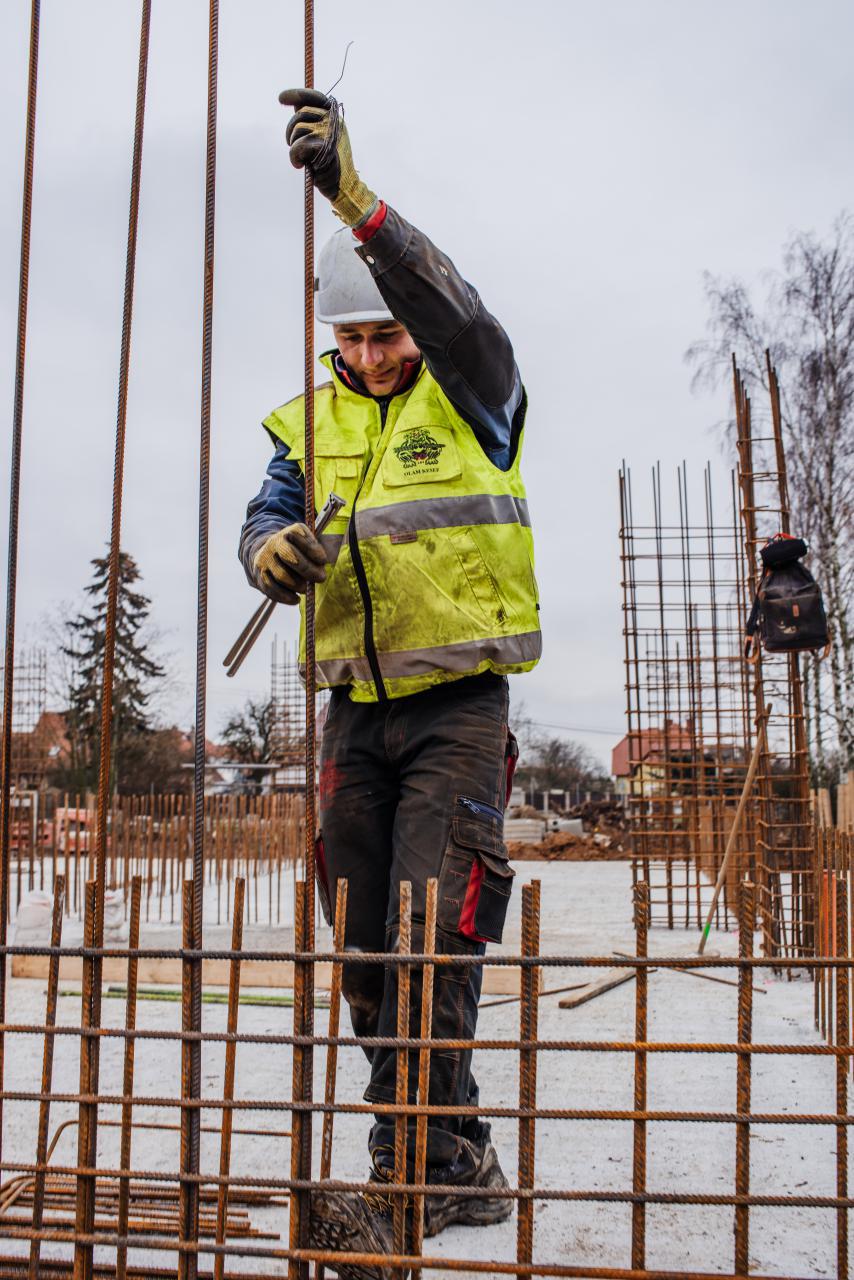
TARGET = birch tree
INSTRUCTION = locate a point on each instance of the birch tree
(806, 320)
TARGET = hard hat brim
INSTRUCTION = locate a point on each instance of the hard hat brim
(354, 317)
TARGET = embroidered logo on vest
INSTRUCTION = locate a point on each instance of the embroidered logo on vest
(419, 452)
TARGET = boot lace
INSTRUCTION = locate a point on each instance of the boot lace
(383, 1201)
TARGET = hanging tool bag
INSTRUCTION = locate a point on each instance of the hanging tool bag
(788, 614)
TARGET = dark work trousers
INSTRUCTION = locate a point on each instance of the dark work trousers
(409, 789)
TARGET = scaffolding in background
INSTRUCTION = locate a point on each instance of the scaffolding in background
(287, 704)
(30, 748)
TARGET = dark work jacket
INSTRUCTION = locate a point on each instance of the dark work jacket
(465, 348)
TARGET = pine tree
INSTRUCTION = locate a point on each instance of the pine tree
(134, 672)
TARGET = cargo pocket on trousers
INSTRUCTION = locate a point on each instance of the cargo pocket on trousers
(476, 879)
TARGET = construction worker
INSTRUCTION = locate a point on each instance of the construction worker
(425, 601)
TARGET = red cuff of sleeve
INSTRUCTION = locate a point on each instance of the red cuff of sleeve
(373, 224)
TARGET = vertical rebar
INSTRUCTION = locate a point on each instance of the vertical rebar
(307, 1016)
(192, 1151)
(639, 1126)
(528, 1025)
(14, 504)
(338, 935)
(424, 1070)
(843, 1039)
(228, 1077)
(86, 1126)
(189, 1190)
(47, 1076)
(747, 918)
(127, 1076)
(401, 1092)
(300, 1201)
(113, 576)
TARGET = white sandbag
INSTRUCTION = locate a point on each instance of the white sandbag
(115, 926)
(32, 923)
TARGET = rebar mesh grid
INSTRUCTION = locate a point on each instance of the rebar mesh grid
(833, 863)
(786, 903)
(257, 837)
(137, 1208)
(31, 735)
(687, 695)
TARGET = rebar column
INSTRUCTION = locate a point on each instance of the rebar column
(190, 1116)
(639, 1126)
(113, 577)
(86, 1123)
(424, 1070)
(747, 918)
(529, 992)
(47, 1077)
(300, 1201)
(304, 1016)
(127, 1077)
(14, 505)
(191, 1150)
(843, 1039)
(228, 1074)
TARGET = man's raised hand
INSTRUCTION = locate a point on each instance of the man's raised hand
(318, 140)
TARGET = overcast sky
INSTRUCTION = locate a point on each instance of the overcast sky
(581, 163)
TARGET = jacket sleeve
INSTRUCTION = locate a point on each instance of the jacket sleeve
(280, 502)
(465, 348)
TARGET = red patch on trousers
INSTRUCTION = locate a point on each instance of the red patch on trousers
(331, 778)
(467, 927)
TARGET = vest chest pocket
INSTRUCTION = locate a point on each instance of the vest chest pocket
(336, 472)
(418, 454)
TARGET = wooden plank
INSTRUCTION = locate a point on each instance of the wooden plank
(253, 973)
(610, 980)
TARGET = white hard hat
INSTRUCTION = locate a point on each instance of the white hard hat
(344, 290)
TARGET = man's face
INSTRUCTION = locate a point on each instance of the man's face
(376, 350)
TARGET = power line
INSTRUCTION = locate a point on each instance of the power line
(574, 728)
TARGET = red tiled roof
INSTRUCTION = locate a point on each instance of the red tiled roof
(650, 744)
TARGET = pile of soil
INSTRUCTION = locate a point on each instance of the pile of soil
(561, 846)
(600, 814)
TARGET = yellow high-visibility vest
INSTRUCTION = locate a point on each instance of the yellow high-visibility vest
(431, 573)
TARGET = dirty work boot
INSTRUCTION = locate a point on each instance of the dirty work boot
(475, 1166)
(350, 1222)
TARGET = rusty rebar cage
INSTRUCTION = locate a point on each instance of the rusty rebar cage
(786, 896)
(31, 739)
(687, 693)
(287, 704)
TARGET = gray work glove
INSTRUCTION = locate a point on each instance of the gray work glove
(287, 561)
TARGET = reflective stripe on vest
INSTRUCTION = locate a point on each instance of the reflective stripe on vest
(443, 513)
(503, 651)
(331, 543)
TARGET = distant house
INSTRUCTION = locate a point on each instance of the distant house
(40, 749)
(660, 760)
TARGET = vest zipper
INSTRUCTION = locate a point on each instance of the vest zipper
(362, 580)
